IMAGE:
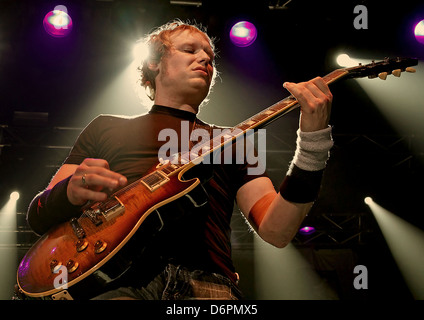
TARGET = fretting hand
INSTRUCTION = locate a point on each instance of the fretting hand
(315, 101)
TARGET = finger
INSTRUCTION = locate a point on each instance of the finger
(84, 195)
(106, 173)
(311, 94)
(78, 194)
(98, 167)
(92, 162)
(316, 92)
(97, 180)
(322, 86)
(319, 100)
(301, 92)
(316, 86)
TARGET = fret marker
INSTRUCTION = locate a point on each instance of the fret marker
(227, 136)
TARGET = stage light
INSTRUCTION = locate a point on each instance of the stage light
(307, 230)
(243, 34)
(345, 61)
(286, 274)
(14, 196)
(9, 247)
(58, 23)
(368, 200)
(388, 95)
(406, 243)
(419, 32)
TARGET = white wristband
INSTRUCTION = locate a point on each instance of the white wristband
(312, 149)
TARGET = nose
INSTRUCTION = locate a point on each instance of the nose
(204, 58)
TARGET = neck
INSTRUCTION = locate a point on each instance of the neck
(176, 105)
(187, 102)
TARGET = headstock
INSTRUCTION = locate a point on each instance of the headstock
(383, 68)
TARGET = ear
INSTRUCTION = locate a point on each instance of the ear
(153, 66)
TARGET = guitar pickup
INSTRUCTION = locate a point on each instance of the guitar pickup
(154, 180)
(114, 211)
(108, 209)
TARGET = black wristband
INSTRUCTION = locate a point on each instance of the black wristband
(51, 207)
(301, 186)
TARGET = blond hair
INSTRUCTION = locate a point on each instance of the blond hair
(157, 44)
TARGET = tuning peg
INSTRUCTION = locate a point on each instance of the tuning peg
(397, 72)
(410, 69)
(382, 75)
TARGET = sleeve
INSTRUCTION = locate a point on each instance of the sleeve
(50, 208)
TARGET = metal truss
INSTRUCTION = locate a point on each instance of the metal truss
(336, 230)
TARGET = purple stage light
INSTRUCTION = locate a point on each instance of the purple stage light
(243, 34)
(307, 230)
(419, 32)
(58, 23)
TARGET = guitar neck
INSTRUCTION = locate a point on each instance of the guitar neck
(264, 117)
(282, 107)
(272, 113)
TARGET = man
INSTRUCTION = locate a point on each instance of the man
(192, 258)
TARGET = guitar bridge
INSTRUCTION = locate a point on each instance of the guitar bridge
(93, 215)
(109, 210)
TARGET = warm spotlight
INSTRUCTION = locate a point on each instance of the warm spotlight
(8, 245)
(58, 23)
(140, 51)
(14, 196)
(286, 274)
(419, 32)
(406, 243)
(368, 200)
(243, 34)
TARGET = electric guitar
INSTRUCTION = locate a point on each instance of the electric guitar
(83, 245)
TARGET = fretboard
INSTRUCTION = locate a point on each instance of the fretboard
(228, 136)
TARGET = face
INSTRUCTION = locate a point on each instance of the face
(186, 70)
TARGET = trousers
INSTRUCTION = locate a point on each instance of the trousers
(179, 283)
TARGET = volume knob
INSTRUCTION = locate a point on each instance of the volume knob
(100, 246)
(81, 245)
(55, 265)
(72, 265)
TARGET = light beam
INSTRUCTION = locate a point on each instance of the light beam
(406, 243)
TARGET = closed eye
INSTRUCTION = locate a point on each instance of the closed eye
(192, 50)
(188, 50)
